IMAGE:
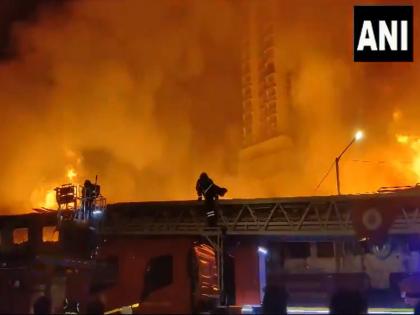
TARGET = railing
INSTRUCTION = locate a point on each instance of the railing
(73, 205)
(305, 216)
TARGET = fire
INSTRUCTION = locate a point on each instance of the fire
(44, 195)
(402, 139)
(90, 107)
(49, 201)
(413, 144)
(396, 115)
(71, 174)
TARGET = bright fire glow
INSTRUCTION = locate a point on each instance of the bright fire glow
(101, 114)
(396, 115)
(20, 235)
(45, 196)
(402, 138)
(50, 201)
(50, 234)
(414, 144)
(71, 174)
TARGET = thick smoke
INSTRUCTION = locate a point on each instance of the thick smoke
(138, 92)
(146, 94)
(332, 97)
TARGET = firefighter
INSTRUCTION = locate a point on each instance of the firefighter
(210, 191)
(89, 194)
(71, 307)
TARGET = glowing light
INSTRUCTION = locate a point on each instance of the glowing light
(402, 139)
(50, 200)
(359, 135)
(20, 235)
(124, 309)
(263, 250)
(71, 174)
(50, 234)
(396, 115)
(413, 143)
(251, 309)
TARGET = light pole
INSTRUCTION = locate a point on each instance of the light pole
(358, 136)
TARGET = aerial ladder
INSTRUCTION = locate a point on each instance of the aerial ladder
(75, 205)
(290, 218)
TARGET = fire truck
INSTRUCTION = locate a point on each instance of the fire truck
(160, 257)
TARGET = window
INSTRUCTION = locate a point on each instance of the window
(269, 68)
(325, 249)
(355, 248)
(50, 234)
(20, 236)
(297, 250)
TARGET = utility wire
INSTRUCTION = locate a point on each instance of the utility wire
(379, 162)
(360, 161)
(325, 176)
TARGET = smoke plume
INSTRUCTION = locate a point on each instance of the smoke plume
(147, 94)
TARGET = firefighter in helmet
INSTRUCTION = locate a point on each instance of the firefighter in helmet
(206, 188)
(90, 192)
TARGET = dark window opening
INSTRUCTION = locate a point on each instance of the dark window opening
(325, 249)
(297, 250)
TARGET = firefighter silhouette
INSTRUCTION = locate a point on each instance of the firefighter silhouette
(210, 191)
(71, 306)
(89, 193)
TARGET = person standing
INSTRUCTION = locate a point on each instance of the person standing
(211, 192)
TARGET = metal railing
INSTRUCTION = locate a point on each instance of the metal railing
(298, 216)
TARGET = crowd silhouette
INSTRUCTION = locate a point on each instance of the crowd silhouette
(342, 302)
(275, 301)
(43, 305)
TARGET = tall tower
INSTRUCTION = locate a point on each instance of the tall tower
(266, 95)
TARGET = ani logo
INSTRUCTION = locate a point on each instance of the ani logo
(383, 33)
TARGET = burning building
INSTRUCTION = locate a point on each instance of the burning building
(303, 98)
(116, 89)
(267, 134)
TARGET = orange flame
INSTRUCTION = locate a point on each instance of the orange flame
(71, 174)
(413, 144)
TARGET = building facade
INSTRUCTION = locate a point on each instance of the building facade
(267, 83)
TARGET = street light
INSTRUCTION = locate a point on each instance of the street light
(357, 137)
(262, 250)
